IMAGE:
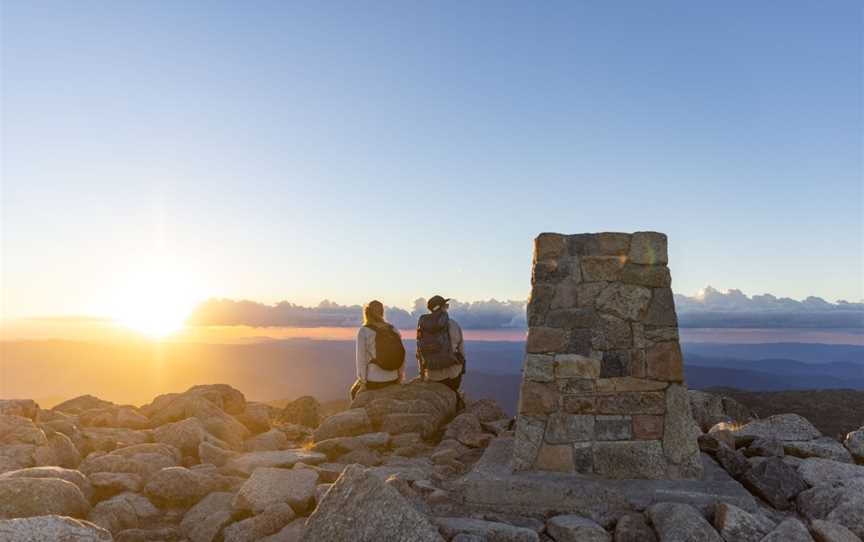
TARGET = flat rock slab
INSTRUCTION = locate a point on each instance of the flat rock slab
(493, 484)
(269, 486)
(245, 464)
(485, 530)
(42, 528)
(817, 471)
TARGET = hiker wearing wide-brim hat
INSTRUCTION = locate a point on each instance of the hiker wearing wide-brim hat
(440, 346)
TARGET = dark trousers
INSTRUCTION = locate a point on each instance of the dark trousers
(453, 384)
(368, 385)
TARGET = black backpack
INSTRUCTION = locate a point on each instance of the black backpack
(433, 341)
(389, 352)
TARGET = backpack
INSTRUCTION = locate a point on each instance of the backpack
(433, 341)
(389, 352)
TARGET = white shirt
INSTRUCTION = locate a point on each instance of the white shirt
(458, 346)
(365, 354)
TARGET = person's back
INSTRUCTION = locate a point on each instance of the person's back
(440, 345)
(380, 357)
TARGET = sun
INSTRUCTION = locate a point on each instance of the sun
(156, 303)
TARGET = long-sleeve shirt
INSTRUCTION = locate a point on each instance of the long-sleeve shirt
(458, 345)
(365, 353)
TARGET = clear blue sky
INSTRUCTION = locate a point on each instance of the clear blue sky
(348, 150)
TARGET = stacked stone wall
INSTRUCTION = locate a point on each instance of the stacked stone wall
(603, 380)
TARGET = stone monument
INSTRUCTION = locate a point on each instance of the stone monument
(603, 389)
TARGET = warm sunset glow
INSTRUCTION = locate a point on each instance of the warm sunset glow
(155, 304)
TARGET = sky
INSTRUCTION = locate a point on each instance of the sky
(357, 150)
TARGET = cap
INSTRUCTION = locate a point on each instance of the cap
(436, 301)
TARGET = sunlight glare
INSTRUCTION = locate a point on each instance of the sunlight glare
(156, 303)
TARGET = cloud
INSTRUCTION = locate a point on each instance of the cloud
(711, 299)
(709, 308)
(713, 308)
(490, 314)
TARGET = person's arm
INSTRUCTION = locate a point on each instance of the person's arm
(420, 371)
(458, 343)
(456, 338)
(362, 355)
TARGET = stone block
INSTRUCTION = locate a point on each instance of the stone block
(637, 367)
(626, 383)
(528, 433)
(680, 432)
(583, 244)
(637, 330)
(583, 457)
(555, 457)
(576, 366)
(549, 246)
(587, 292)
(578, 404)
(580, 342)
(574, 271)
(626, 301)
(538, 398)
(615, 363)
(661, 333)
(539, 303)
(650, 402)
(565, 296)
(546, 339)
(629, 459)
(613, 243)
(665, 362)
(578, 386)
(549, 272)
(648, 247)
(652, 276)
(661, 309)
(601, 268)
(539, 368)
(611, 333)
(612, 428)
(647, 427)
(568, 428)
(571, 318)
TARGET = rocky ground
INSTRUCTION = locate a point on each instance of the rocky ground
(834, 412)
(208, 465)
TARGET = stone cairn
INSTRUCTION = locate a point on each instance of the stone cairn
(603, 387)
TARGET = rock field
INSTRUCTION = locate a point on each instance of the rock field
(207, 465)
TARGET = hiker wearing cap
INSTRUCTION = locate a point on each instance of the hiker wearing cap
(440, 348)
(380, 354)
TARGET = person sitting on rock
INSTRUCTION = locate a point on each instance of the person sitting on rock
(380, 353)
(440, 348)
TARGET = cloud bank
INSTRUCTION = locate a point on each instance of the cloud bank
(709, 308)
(713, 308)
(490, 314)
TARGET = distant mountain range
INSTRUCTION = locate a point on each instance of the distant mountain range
(806, 352)
(282, 369)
